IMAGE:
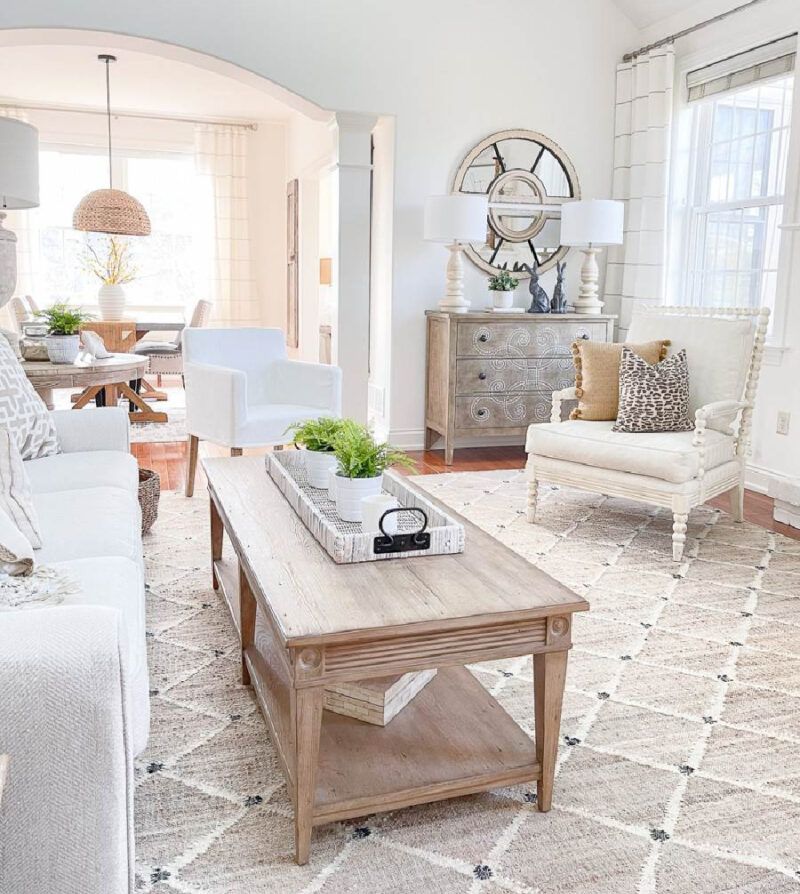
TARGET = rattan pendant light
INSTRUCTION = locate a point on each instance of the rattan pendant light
(111, 210)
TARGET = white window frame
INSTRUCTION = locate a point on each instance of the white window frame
(777, 339)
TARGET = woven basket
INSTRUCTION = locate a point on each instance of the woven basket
(149, 492)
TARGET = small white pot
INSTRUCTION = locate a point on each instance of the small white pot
(333, 479)
(503, 299)
(350, 492)
(318, 465)
(112, 301)
(63, 348)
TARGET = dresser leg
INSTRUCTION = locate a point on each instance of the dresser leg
(430, 438)
(308, 718)
(549, 673)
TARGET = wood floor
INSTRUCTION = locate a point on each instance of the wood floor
(169, 460)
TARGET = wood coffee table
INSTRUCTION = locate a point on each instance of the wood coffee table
(305, 622)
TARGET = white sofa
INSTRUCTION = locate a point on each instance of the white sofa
(74, 700)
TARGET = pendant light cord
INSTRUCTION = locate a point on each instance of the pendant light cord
(108, 115)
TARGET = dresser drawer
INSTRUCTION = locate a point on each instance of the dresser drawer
(524, 374)
(484, 411)
(534, 339)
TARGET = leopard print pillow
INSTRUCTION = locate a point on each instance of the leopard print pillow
(653, 397)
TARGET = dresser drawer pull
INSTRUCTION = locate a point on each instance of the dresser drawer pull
(481, 376)
(483, 337)
(482, 412)
(585, 335)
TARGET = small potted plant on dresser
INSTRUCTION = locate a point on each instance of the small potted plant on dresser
(63, 322)
(361, 462)
(317, 436)
(502, 287)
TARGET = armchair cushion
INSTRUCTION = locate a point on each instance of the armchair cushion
(669, 456)
(718, 352)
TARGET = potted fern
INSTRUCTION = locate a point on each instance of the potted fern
(317, 436)
(502, 287)
(63, 340)
(114, 268)
(361, 462)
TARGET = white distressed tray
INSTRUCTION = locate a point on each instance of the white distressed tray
(344, 541)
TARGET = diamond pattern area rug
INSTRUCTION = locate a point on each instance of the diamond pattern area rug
(679, 768)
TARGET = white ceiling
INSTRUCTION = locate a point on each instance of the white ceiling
(644, 13)
(140, 82)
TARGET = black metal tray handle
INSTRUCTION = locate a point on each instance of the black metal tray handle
(406, 542)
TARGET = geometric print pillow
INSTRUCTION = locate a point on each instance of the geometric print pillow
(653, 397)
(22, 411)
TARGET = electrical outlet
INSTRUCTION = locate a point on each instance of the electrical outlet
(782, 427)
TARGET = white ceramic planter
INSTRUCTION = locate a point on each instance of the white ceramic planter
(333, 479)
(502, 299)
(63, 348)
(318, 465)
(112, 301)
(350, 492)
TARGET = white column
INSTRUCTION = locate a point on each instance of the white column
(351, 201)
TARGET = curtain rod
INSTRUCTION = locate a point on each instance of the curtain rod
(629, 57)
(77, 110)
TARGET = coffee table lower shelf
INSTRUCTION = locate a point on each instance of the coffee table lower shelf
(452, 739)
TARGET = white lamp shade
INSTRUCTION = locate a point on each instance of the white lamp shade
(456, 218)
(592, 222)
(19, 164)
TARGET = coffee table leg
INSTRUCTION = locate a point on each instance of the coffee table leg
(216, 541)
(549, 672)
(247, 619)
(308, 719)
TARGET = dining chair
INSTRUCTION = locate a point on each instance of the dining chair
(33, 305)
(166, 358)
(20, 313)
(243, 391)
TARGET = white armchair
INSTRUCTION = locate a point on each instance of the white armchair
(242, 391)
(677, 470)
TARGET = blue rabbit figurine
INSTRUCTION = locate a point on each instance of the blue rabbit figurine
(540, 303)
(559, 303)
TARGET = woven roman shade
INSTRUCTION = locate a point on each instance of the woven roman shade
(111, 211)
(758, 64)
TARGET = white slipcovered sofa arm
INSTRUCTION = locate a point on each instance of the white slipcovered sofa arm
(66, 822)
(216, 402)
(308, 384)
(102, 429)
(558, 397)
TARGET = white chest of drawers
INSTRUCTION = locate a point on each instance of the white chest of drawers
(491, 375)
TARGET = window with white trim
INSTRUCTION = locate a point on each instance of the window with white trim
(729, 182)
(173, 263)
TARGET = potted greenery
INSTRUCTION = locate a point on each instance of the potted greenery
(317, 435)
(113, 267)
(361, 461)
(63, 324)
(502, 287)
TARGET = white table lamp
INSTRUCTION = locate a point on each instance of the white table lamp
(455, 219)
(590, 224)
(19, 188)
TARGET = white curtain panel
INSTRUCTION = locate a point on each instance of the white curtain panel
(642, 135)
(221, 156)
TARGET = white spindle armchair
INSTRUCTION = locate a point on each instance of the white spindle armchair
(677, 470)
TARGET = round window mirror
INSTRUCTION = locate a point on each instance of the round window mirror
(526, 177)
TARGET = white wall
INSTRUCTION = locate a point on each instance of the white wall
(775, 463)
(450, 72)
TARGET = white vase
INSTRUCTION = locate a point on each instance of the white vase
(111, 299)
(317, 466)
(63, 348)
(503, 299)
(350, 492)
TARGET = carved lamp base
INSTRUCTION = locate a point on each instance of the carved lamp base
(454, 300)
(588, 301)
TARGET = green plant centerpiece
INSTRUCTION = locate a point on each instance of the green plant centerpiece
(317, 436)
(113, 265)
(361, 462)
(502, 286)
(63, 327)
